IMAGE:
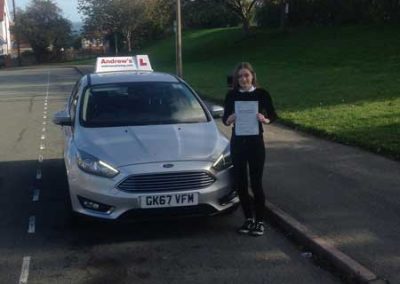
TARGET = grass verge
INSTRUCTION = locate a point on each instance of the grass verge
(338, 82)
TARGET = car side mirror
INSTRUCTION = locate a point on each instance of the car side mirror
(62, 118)
(216, 111)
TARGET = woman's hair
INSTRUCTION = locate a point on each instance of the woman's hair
(235, 76)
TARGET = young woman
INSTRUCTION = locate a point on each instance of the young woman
(247, 107)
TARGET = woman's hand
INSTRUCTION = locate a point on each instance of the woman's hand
(261, 118)
(231, 119)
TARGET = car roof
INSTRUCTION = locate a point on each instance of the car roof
(132, 76)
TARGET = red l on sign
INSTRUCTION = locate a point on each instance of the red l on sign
(142, 62)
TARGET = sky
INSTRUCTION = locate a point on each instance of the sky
(68, 7)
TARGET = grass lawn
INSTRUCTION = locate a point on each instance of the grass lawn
(339, 82)
(90, 61)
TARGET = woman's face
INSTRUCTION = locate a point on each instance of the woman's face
(245, 79)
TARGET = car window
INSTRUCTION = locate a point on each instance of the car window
(73, 100)
(146, 103)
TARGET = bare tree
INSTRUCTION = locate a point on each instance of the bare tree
(244, 9)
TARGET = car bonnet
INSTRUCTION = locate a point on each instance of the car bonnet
(123, 146)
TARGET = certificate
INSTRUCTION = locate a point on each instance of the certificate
(246, 122)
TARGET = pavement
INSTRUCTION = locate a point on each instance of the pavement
(84, 69)
(339, 203)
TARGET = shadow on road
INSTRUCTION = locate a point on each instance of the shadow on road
(56, 223)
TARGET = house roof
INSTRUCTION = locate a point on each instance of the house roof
(2, 3)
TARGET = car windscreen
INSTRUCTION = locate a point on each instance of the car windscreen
(144, 103)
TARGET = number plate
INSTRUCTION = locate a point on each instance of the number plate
(169, 200)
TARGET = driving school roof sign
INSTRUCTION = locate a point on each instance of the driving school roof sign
(123, 63)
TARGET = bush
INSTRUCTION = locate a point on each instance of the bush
(330, 12)
(269, 15)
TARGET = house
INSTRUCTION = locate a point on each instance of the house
(94, 44)
(5, 36)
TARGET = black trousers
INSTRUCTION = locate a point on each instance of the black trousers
(249, 153)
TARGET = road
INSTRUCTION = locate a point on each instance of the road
(40, 244)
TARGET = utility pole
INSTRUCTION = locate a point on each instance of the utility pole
(284, 13)
(179, 71)
(17, 35)
(116, 43)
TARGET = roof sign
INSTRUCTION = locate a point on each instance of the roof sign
(123, 63)
(143, 63)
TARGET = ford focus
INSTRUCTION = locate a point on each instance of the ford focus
(140, 143)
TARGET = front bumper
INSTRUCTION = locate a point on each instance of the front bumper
(87, 190)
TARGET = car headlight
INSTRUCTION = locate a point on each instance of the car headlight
(224, 161)
(92, 165)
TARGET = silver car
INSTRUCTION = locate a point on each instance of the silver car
(144, 143)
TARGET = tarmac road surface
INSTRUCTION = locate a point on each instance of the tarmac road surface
(39, 244)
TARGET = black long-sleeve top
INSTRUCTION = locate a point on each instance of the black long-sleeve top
(265, 105)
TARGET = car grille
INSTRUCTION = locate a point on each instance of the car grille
(167, 181)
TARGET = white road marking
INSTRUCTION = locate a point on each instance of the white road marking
(31, 226)
(43, 137)
(38, 174)
(44, 129)
(44, 116)
(44, 122)
(48, 83)
(36, 193)
(42, 147)
(23, 279)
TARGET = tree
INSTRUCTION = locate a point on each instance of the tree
(43, 26)
(207, 14)
(125, 17)
(161, 15)
(99, 19)
(133, 17)
(244, 10)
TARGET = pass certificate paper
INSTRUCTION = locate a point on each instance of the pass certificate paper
(246, 118)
